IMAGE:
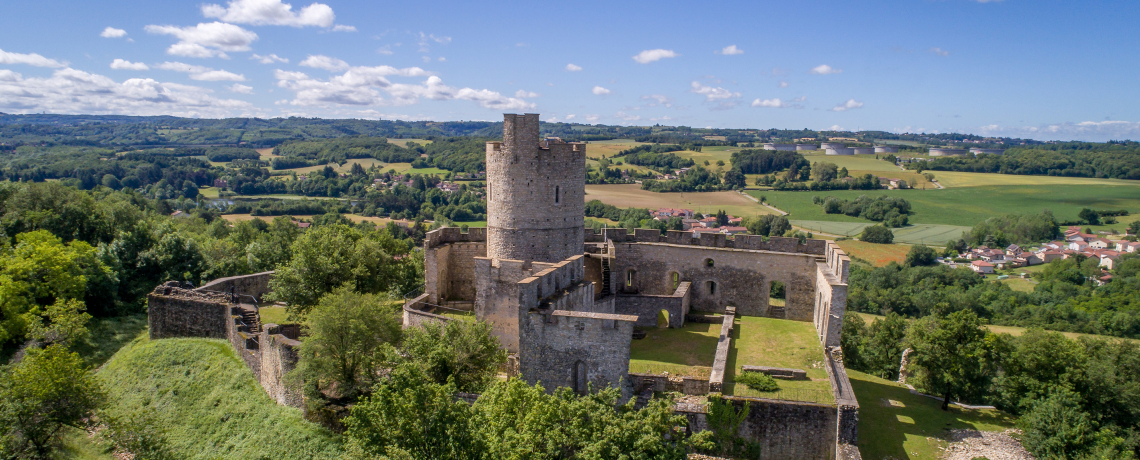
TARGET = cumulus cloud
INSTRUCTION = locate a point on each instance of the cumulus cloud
(200, 73)
(31, 59)
(774, 103)
(648, 56)
(627, 117)
(364, 86)
(598, 90)
(845, 106)
(712, 93)
(572, 68)
(111, 32)
(241, 89)
(825, 70)
(75, 91)
(320, 61)
(270, 13)
(120, 64)
(592, 118)
(268, 59)
(206, 39)
(1091, 131)
(343, 28)
(938, 51)
(385, 50)
(570, 117)
(658, 99)
(525, 94)
(730, 49)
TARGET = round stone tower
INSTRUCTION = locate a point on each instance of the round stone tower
(536, 192)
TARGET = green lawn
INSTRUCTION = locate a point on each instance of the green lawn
(779, 343)
(685, 351)
(969, 205)
(208, 402)
(893, 423)
(274, 315)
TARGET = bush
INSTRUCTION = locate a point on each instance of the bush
(877, 234)
(757, 381)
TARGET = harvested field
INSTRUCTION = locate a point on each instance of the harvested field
(632, 196)
(877, 254)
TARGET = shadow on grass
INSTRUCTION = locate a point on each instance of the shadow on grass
(692, 345)
(108, 335)
(893, 423)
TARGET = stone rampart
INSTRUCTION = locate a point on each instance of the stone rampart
(648, 307)
(831, 295)
(418, 311)
(724, 344)
(688, 385)
(847, 415)
(712, 240)
(176, 312)
(255, 285)
(578, 350)
(784, 429)
(496, 295)
(279, 347)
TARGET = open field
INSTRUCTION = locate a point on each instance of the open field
(967, 206)
(379, 221)
(968, 179)
(208, 402)
(778, 343)
(877, 254)
(597, 149)
(405, 142)
(267, 154)
(346, 167)
(209, 192)
(895, 424)
(929, 234)
(685, 351)
(632, 196)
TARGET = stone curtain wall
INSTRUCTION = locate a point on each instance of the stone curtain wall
(742, 277)
(278, 358)
(831, 295)
(647, 307)
(569, 348)
(255, 285)
(175, 312)
(449, 265)
(496, 297)
(535, 194)
(713, 240)
(418, 311)
(724, 343)
(784, 429)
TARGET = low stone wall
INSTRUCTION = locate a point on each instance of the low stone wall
(777, 372)
(847, 424)
(279, 357)
(716, 380)
(647, 307)
(712, 240)
(255, 285)
(176, 312)
(417, 311)
(656, 382)
(784, 429)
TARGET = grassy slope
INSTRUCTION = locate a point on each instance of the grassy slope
(778, 343)
(209, 402)
(913, 430)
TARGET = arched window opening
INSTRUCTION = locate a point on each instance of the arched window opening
(675, 279)
(663, 319)
(579, 378)
(629, 278)
(709, 263)
(712, 287)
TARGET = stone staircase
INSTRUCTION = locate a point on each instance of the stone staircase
(606, 276)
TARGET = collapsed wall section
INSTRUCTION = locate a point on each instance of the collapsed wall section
(176, 312)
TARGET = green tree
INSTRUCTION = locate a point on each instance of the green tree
(920, 255)
(46, 391)
(735, 179)
(350, 338)
(1056, 427)
(1089, 216)
(883, 345)
(877, 234)
(952, 354)
(825, 172)
(462, 352)
(1134, 227)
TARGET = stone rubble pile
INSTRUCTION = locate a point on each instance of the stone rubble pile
(971, 444)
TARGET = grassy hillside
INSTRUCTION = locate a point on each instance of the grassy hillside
(209, 402)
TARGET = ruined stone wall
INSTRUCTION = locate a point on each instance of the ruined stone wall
(278, 357)
(496, 297)
(449, 265)
(737, 277)
(648, 307)
(535, 194)
(576, 349)
(847, 414)
(417, 311)
(723, 346)
(712, 240)
(831, 295)
(784, 429)
(175, 312)
(664, 383)
(255, 285)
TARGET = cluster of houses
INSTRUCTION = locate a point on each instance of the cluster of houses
(984, 260)
(699, 226)
(676, 174)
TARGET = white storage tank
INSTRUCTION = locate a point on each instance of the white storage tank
(886, 149)
(989, 151)
(780, 147)
(839, 151)
(832, 145)
(947, 152)
(806, 147)
(864, 150)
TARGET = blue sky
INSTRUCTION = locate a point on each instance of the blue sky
(1024, 68)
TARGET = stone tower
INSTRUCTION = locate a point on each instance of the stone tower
(536, 192)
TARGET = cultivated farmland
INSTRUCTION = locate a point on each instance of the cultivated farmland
(632, 196)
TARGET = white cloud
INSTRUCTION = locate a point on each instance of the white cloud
(648, 56)
(1092, 131)
(200, 73)
(573, 68)
(270, 13)
(845, 106)
(570, 117)
(367, 86)
(783, 84)
(592, 118)
(774, 103)
(111, 32)
(321, 61)
(241, 89)
(658, 100)
(75, 91)
(385, 50)
(626, 117)
(206, 39)
(598, 90)
(31, 59)
(441, 59)
(712, 94)
(268, 59)
(120, 64)
(730, 49)
(825, 70)
(343, 28)
(835, 128)
(425, 41)
(938, 51)
(525, 94)
(426, 58)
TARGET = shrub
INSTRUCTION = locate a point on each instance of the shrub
(757, 381)
(877, 234)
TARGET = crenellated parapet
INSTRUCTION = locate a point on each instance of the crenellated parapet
(709, 240)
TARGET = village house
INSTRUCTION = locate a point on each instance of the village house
(1099, 243)
(1127, 246)
(982, 267)
(730, 230)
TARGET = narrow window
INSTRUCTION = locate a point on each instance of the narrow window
(629, 278)
(709, 263)
(676, 280)
(556, 193)
(712, 287)
(490, 195)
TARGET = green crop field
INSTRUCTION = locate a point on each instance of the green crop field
(967, 206)
(597, 149)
